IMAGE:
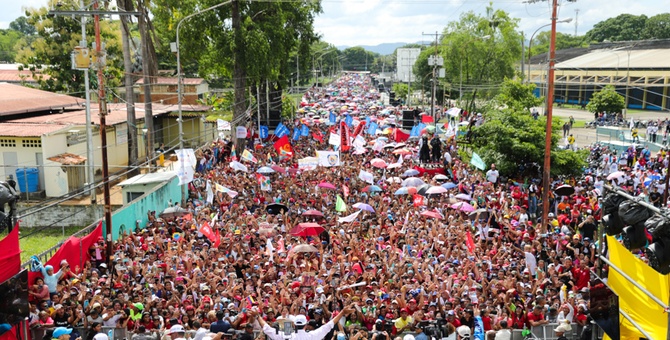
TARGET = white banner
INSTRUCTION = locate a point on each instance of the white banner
(328, 158)
(366, 176)
(308, 163)
(241, 132)
(350, 218)
(185, 174)
(222, 125)
(359, 142)
(334, 139)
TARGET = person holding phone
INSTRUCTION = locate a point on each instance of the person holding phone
(300, 323)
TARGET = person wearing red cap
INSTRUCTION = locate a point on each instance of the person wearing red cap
(405, 322)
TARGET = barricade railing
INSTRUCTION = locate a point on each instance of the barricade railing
(38, 333)
(546, 332)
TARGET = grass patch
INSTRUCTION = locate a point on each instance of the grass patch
(227, 116)
(42, 240)
(578, 124)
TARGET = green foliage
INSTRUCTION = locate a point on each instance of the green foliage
(220, 103)
(518, 96)
(625, 27)
(8, 41)
(568, 162)
(563, 41)
(358, 59)
(288, 108)
(658, 27)
(22, 25)
(56, 38)
(400, 90)
(606, 100)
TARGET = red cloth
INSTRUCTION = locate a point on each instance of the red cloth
(470, 243)
(10, 256)
(282, 144)
(431, 172)
(399, 135)
(427, 119)
(344, 136)
(72, 252)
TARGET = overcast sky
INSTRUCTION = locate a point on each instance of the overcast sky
(372, 22)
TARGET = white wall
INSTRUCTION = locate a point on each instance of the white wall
(54, 177)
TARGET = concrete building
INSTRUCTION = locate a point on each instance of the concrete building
(47, 131)
(639, 70)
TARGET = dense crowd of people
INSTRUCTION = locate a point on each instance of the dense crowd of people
(471, 260)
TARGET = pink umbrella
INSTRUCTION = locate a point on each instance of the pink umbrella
(313, 212)
(279, 169)
(378, 163)
(402, 151)
(463, 206)
(326, 185)
(431, 214)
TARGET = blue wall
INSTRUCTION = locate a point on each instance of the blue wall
(156, 200)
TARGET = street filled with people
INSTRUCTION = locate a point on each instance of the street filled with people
(341, 216)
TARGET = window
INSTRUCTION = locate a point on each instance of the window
(131, 196)
(7, 143)
(32, 143)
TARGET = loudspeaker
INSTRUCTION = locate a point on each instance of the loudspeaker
(275, 119)
(407, 119)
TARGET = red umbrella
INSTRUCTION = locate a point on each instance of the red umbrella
(431, 214)
(277, 168)
(313, 212)
(307, 229)
(326, 185)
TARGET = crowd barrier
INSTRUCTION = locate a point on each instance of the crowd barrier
(546, 332)
(38, 333)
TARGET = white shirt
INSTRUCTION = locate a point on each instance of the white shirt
(492, 175)
(503, 334)
(317, 334)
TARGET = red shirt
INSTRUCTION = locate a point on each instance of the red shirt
(533, 317)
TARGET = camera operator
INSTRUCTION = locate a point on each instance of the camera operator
(300, 323)
(420, 335)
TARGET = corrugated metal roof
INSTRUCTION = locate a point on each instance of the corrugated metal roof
(68, 159)
(621, 59)
(16, 99)
(16, 76)
(154, 177)
(173, 81)
(27, 130)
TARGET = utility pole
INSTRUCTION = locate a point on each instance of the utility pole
(576, 20)
(89, 126)
(147, 72)
(435, 63)
(239, 74)
(128, 84)
(523, 54)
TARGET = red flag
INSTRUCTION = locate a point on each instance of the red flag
(418, 200)
(427, 119)
(217, 242)
(358, 129)
(283, 146)
(318, 135)
(10, 257)
(344, 137)
(345, 190)
(470, 243)
(206, 230)
(400, 136)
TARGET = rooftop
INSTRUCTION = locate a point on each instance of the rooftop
(154, 177)
(173, 81)
(16, 99)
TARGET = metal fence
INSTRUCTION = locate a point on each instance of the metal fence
(546, 332)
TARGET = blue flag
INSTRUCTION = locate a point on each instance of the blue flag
(264, 131)
(349, 120)
(415, 131)
(304, 131)
(368, 120)
(372, 128)
(281, 130)
(421, 127)
(296, 133)
(332, 119)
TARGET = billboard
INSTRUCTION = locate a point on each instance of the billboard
(406, 57)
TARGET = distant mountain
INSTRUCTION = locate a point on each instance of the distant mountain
(383, 49)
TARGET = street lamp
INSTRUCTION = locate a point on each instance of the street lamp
(530, 42)
(180, 90)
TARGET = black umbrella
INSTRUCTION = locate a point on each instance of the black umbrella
(422, 190)
(564, 190)
(174, 212)
(483, 214)
(276, 208)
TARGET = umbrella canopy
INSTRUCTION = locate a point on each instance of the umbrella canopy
(449, 185)
(483, 214)
(364, 206)
(410, 173)
(436, 190)
(276, 208)
(326, 185)
(431, 214)
(564, 190)
(394, 165)
(265, 170)
(403, 151)
(406, 191)
(312, 212)
(279, 169)
(394, 180)
(238, 166)
(464, 197)
(307, 229)
(422, 190)
(463, 206)
(413, 182)
(441, 177)
(378, 163)
(372, 188)
(616, 174)
(304, 248)
(173, 212)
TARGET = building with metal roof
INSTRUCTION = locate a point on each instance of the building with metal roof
(638, 70)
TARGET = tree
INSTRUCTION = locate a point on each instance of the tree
(357, 59)
(625, 27)
(563, 41)
(8, 41)
(400, 90)
(22, 25)
(606, 100)
(515, 142)
(56, 38)
(481, 51)
(658, 27)
(518, 96)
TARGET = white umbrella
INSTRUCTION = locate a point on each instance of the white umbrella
(440, 177)
(464, 197)
(394, 180)
(413, 182)
(265, 170)
(436, 190)
(410, 173)
(239, 166)
(616, 174)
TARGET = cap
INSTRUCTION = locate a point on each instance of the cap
(300, 320)
(408, 337)
(404, 310)
(96, 305)
(101, 336)
(463, 331)
(61, 331)
(176, 329)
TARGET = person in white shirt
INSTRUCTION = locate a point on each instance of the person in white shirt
(492, 175)
(300, 323)
(504, 333)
